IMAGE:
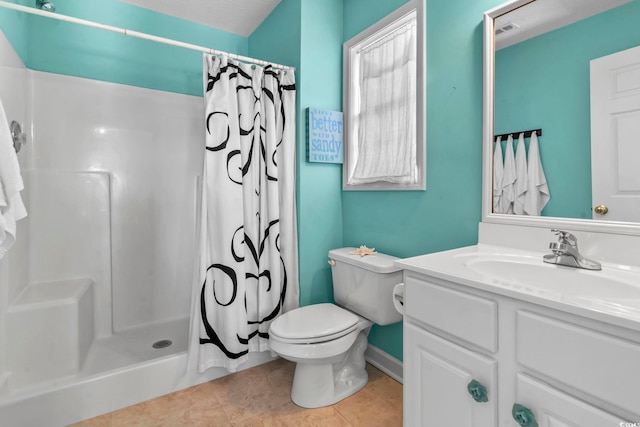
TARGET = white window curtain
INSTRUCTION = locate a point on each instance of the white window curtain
(387, 119)
(248, 255)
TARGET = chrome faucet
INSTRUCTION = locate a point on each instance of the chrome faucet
(565, 252)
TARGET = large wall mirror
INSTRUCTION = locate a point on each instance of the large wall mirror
(572, 70)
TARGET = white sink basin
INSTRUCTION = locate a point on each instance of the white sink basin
(613, 292)
(532, 273)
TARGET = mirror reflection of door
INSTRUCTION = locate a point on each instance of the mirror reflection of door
(615, 136)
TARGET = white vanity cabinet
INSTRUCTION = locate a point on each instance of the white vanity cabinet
(435, 388)
(562, 369)
(449, 339)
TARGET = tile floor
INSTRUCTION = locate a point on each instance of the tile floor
(260, 397)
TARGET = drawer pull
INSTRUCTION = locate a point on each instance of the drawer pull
(477, 391)
(523, 416)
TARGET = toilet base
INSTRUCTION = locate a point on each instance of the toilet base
(322, 384)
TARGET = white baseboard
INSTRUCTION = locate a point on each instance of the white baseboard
(385, 362)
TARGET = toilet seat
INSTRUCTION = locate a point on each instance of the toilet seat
(313, 324)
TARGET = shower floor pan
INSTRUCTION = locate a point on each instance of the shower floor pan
(119, 371)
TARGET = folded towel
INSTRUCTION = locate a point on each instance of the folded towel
(508, 178)
(11, 206)
(498, 172)
(520, 189)
(537, 189)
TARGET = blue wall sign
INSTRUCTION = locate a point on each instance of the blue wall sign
(324, 136)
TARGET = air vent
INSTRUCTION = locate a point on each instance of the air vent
(506, 28)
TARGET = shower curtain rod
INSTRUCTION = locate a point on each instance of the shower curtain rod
(138, 34)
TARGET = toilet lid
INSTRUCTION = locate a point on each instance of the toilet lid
(313, 323)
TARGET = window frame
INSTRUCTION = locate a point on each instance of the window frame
(351, 76)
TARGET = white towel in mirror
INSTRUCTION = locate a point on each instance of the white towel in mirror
(537, 189)
(508, 178)
(521, 184)
(498, 168)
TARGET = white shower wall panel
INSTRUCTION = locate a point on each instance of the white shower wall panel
(70, 234)
(13, 266)
(14, 96)
(151, 144)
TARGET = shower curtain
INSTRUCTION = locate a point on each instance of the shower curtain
(248, 256)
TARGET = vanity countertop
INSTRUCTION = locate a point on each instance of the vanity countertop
(610, 295)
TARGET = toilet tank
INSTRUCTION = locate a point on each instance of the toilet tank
(364, 285)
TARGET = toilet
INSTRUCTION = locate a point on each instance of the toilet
(327, 341)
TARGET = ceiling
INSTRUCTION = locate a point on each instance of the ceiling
(235, 16)
(541, 16)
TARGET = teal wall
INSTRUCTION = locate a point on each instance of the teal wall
(544, 83)
(320, 221)
(308, 34)
(71, 49)
(361, 14)
(277, 42)
(447, 214)
(362, 207)
(14, 26)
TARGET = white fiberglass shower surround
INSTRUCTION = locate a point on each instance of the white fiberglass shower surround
(95, 295)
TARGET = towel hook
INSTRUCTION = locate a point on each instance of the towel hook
(19, 138)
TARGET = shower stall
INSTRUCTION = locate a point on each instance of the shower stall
(95, 294)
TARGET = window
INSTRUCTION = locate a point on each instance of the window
(384, 104)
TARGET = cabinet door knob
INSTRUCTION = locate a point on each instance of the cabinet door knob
(477, 391)
(523, 416)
